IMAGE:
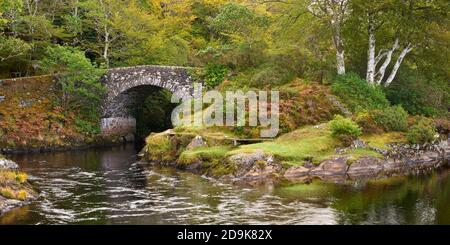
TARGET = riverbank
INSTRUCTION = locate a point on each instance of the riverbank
(296, 157)
(15, 190)
(74, 146)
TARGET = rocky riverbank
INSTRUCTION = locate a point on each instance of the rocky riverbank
(15, 190)
(218, 156)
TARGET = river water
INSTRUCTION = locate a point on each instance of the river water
(106, 186)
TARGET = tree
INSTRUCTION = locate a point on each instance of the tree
(99, 16)
(239, 35)
(403, 23)
(333, 12)
(10, 46)
(79, 79)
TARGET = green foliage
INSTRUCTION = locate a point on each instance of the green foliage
(357, 94)
(344, 129)
(214, 74)
(423, 131)
(11, 47)
(368, 125)
(393, 118)
(418, 95)
(79, 78)
(87, 127)
(238, 36)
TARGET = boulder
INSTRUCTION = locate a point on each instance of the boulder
(394, 166)
(8, 164)
(356, 144)
(261, 172)
(297, 174)
(365, 167)
(244, 161)
(333, 167)
(196, 142)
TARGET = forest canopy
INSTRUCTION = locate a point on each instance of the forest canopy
(399, 45)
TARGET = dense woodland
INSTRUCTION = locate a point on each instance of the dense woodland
(387, 52)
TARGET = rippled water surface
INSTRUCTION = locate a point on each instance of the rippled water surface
(106, 186)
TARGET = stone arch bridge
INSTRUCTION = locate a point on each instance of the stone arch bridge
(129, 86)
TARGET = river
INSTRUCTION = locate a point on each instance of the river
(107, 186)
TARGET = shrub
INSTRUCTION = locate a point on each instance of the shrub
(344, 129)
(357, 94)
(423, 131)
(214, 74)
(393, 118)
(368, 125)
(87, 127)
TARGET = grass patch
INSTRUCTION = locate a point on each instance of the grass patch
(380, 141)
(308, 143)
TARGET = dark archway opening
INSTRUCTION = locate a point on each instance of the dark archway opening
(153, 114)
(137, 112)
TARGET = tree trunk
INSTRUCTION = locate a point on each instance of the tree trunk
(339, 45)
(106, 48)
(370, 75)
(340, 62)
(400, 58)
(380, 73)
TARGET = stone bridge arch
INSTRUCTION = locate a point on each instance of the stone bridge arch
(129, 86)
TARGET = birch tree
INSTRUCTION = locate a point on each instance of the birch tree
(100, 14)
(334, 12)
(375, 72)
(398, 27)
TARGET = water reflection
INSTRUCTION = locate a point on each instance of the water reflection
(106, 186)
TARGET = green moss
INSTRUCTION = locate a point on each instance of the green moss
(204, 154)
(159, 148)
(308, 143)
(355, 154)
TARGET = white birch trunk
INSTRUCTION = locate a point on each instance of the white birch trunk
(340, 62)
(380, 73)
(400, 58)
(339, 45)
(106, 48)
(370, 75)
